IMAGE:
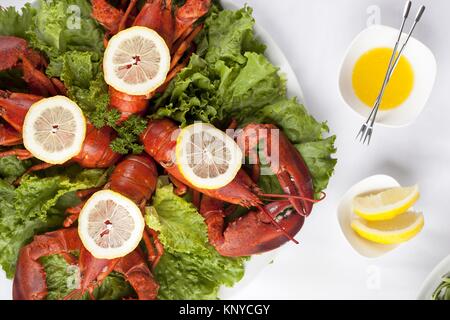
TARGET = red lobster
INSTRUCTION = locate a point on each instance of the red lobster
(176, 25)
(30, 278)
(252, 233)
(16, 54)
(135, 178)
(95, 153)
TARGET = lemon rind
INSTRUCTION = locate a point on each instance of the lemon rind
(28, 142)
(391, 211)
(92, 247)
(208, 185)
(117, 83)
(389, 237)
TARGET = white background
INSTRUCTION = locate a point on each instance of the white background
(314, 36)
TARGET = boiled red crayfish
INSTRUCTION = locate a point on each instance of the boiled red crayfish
(261, 230)
(135, 178)
(16, 54)
(176, 25)
(95, 153)
(30, 278)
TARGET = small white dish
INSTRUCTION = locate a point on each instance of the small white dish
(423, 63)
(345, 214)
(434, 279)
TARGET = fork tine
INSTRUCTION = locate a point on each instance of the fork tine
(370, 139)
(368, 136)
(361, 132)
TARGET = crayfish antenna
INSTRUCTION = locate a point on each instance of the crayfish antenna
(276, 224)
(288, 196)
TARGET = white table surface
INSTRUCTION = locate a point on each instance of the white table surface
(314, 36)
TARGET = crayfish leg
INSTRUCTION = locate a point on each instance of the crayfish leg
(9, 136)
(155, 249)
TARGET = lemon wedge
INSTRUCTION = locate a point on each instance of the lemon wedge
(110, 225)
(54, 129)
(387, 204)
(207, 157)
(136, 61)
(397, 230)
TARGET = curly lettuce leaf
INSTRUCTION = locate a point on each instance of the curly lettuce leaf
(228, 35)
(62, 278)
(230, 78)
(317, 155)
(36, 206)
(12, 168)
(61, 26)
(82, 75)
(190, 267)
(191, 96)
(256, 85)
(14, 23)
(291, 117)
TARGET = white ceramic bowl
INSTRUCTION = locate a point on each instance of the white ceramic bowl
(423, 63)
(434, 279)
(345, 214)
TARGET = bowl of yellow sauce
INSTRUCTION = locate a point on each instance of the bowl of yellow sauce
(365, 66)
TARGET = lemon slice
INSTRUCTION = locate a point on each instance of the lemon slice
(207, 157)
(399, 229)
(386, 204)
(54, 129)
(110, 225)
(136, 61)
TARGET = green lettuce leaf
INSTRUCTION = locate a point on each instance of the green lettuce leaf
(62, 278)
(230, 78)
(12, 168)
(14, 23)
(36, 206)
(256, 85)
(308, 136)
(66, 25)
(192, 96)
(317, 155)
(228, 35)
(190, 267)
(291, 117)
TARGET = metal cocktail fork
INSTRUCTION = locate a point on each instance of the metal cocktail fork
(366, 131)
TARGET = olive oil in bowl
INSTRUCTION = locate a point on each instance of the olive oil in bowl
(369, 73)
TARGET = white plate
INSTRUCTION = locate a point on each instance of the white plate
(257, 263)
(423, 63)
(345, 214)
(434, 279)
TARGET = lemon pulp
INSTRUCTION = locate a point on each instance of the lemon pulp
(368, 77)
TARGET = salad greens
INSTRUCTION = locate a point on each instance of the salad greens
(230, 78)
(61, 277)
(37, 205)
(443, 291)
(227, 78)
(190, 267)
